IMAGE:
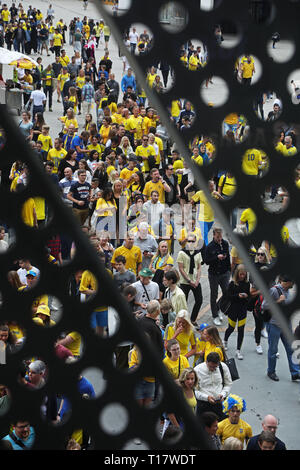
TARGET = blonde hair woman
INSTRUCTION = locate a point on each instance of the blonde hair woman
(232, 443)
(262, 256)
(182, 330)
(125, 146)
(121, 200)
(187, 381)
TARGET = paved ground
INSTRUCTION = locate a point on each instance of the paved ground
(262, 395)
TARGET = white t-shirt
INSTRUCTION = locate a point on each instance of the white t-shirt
(133, 37)
(141, 296)
(3, 245)
(38, 97)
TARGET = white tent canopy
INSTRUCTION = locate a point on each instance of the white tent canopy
(6, 57)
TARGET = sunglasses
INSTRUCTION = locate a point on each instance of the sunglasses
(260, 254)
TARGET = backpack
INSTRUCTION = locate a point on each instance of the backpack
(257, 310)
(265, 314)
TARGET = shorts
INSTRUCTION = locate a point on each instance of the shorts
(145, 389)
(106, 38)
(99, 319)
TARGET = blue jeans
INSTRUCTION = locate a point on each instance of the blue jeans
(205, 228)
(144, 390)
(274, 335)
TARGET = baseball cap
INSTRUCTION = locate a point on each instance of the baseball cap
(203, 326)
(146, 272)
(37, 367)
(31, 273)
(43, 309)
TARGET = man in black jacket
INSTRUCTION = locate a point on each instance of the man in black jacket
(148, 325)
(65, 91)
(217, 256)
(114, 87)
(172, 181)
(147, 391)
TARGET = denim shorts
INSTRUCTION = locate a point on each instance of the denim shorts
(99, 318)
(145, 389)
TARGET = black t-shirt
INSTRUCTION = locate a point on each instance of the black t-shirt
(44, 34)
(56, 67)
(81, 192)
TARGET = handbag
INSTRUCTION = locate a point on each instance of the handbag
(224, 304)
(230, 363)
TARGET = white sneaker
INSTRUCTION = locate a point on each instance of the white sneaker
(225, 345)
(277, 355)
(269, 201)
(239, 355)
(217, 321)
(220, 315)
(259, 349)
(264, 333)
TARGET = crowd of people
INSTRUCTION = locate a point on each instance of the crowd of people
(151, 225)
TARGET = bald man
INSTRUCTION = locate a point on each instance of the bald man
(269, 423)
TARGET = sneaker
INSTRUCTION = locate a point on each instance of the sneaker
(259, 349)
(137, 441)
(269, 201)
(273, 376)
(220, 315)
(239, 355)
(277, 355)
(296, 377)
(264, 333)
(217, 321)
(225, 345)
(50, 109)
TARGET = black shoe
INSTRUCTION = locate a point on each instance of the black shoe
(273, 376)
(296, 377)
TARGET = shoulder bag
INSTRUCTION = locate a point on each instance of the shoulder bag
(224, 304)
(18, 441)
(231, 364)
